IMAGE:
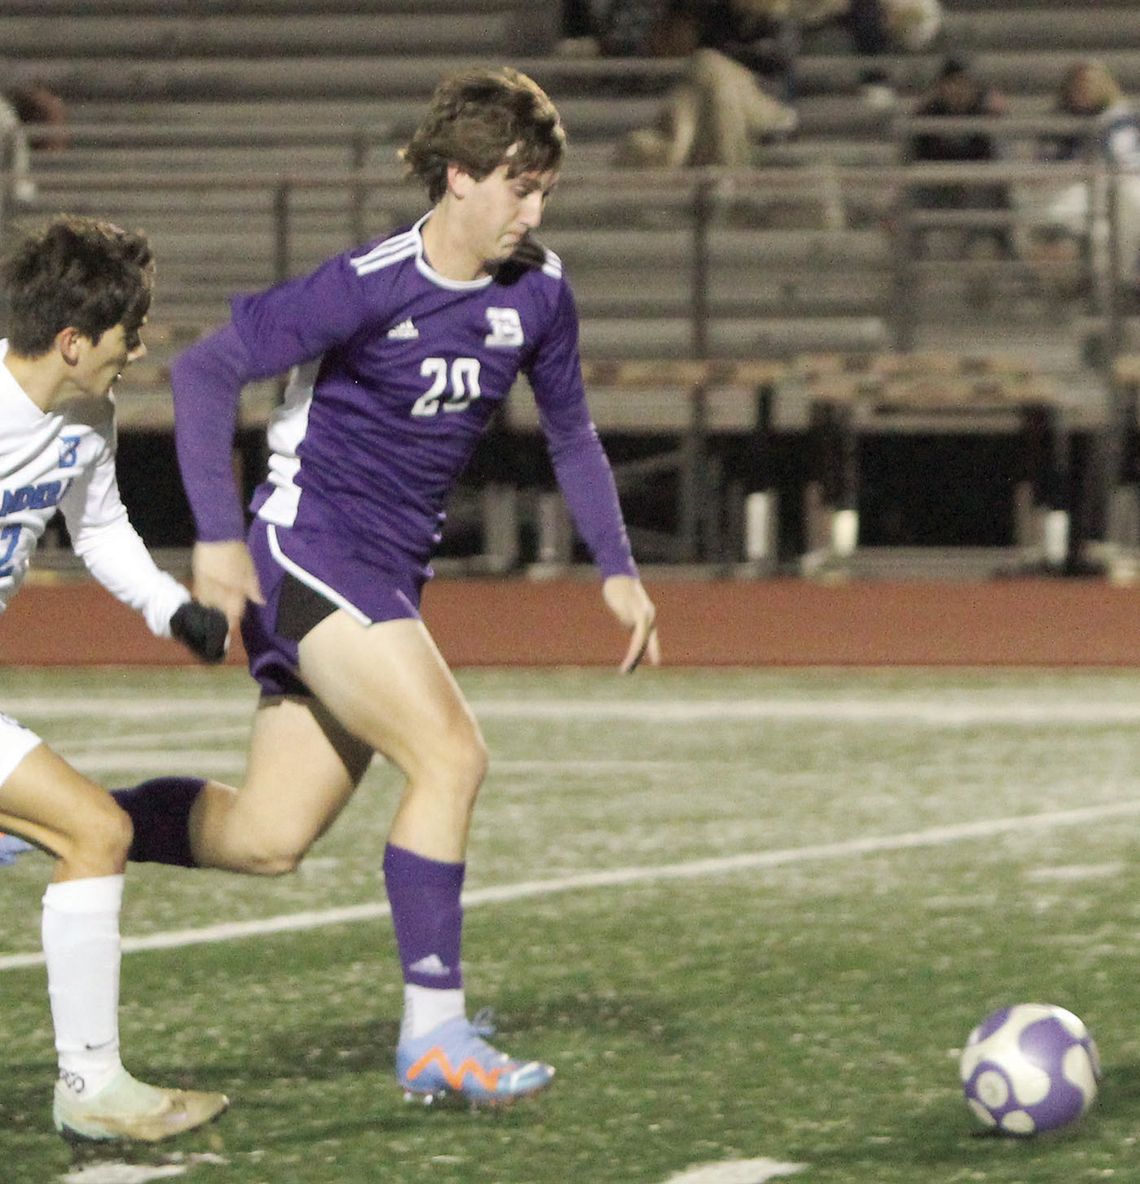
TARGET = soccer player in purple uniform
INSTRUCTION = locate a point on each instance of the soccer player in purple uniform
(78, 293)
(417, 338)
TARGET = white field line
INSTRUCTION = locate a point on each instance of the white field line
(191, 762)
(737, 1171)
(130, 707)
(938, 836)
(201, 762)
(116, 1172)
(96, 756)
(165, 734)
(970, 708)
(942, 712)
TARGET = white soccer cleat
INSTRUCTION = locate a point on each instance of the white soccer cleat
(130, 1110)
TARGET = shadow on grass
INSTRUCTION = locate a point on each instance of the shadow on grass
(25, 1098)
(1119, 1092)
(944, 1136)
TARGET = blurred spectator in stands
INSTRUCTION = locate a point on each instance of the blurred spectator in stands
(714, 116)
(32, 117)
(867, 28)
(676, 28)
(1089, 90)
(577, 18)
(43, 114)
(624, 28)
(15, 157)
(859, 26)
(718, 111)
(1064, 223)
(627, 28)
(909, 26)
(957, 92)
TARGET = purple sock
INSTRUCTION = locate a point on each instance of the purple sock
(160, 813)
(428, 918)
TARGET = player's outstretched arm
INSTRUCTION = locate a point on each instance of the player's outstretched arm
(630, 603)
(224, 577)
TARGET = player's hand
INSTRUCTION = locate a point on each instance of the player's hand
(629, 602)
(205, 632)
(224, 578)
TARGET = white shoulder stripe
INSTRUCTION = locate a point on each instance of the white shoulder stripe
(392, 242)
(551, 264)
(390, 251)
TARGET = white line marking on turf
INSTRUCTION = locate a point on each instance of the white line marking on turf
(235, 733)
(976, 708)
(938, 836)
(941, 712)
(62, 707)
(1076, 872)
(737, 1171)
(122, 1173)
(162, 760)
(114, 1171)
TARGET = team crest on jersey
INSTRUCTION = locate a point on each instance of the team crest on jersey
(506, 328)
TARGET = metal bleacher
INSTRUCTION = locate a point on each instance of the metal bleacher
(253, 138)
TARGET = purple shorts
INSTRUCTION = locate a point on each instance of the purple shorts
(332, 569)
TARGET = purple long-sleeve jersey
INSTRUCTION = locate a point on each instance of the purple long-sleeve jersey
(410, 368)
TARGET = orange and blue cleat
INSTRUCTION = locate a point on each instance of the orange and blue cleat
(453, 1060)
(10, 847)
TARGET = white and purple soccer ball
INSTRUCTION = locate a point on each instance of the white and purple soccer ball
(1028, 1068)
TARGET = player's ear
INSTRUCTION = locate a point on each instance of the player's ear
(459, 180)
(67, 341)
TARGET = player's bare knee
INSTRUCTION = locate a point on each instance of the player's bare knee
(279, 855)
(462, 765)
(272, 865)
(113, 831)
(100, 841)
(456, 758)
(475, 762)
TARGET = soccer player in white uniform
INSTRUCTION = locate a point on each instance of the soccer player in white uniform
(79, 292)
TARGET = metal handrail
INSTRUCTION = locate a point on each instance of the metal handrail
(699, 190)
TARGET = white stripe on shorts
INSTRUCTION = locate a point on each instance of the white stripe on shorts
(311, 581)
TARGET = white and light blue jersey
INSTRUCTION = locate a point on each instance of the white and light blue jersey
(64, 460)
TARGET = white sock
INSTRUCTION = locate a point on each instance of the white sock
(427, 1007)
(83, 953)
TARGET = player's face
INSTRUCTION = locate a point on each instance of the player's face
(103, 361)
(502, 210)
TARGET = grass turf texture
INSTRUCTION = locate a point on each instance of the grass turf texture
(810, 1011)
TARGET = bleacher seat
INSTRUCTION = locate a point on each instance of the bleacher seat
(212, 89)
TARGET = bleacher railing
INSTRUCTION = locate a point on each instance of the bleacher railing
(694, 198)
(696, 201)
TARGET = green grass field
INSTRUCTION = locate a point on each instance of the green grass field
(750, 916)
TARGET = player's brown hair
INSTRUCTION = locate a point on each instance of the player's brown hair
(479, 119)
(77, 273)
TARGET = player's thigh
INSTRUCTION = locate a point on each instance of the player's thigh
(389, 685)
(47, 801)
(303, 767)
